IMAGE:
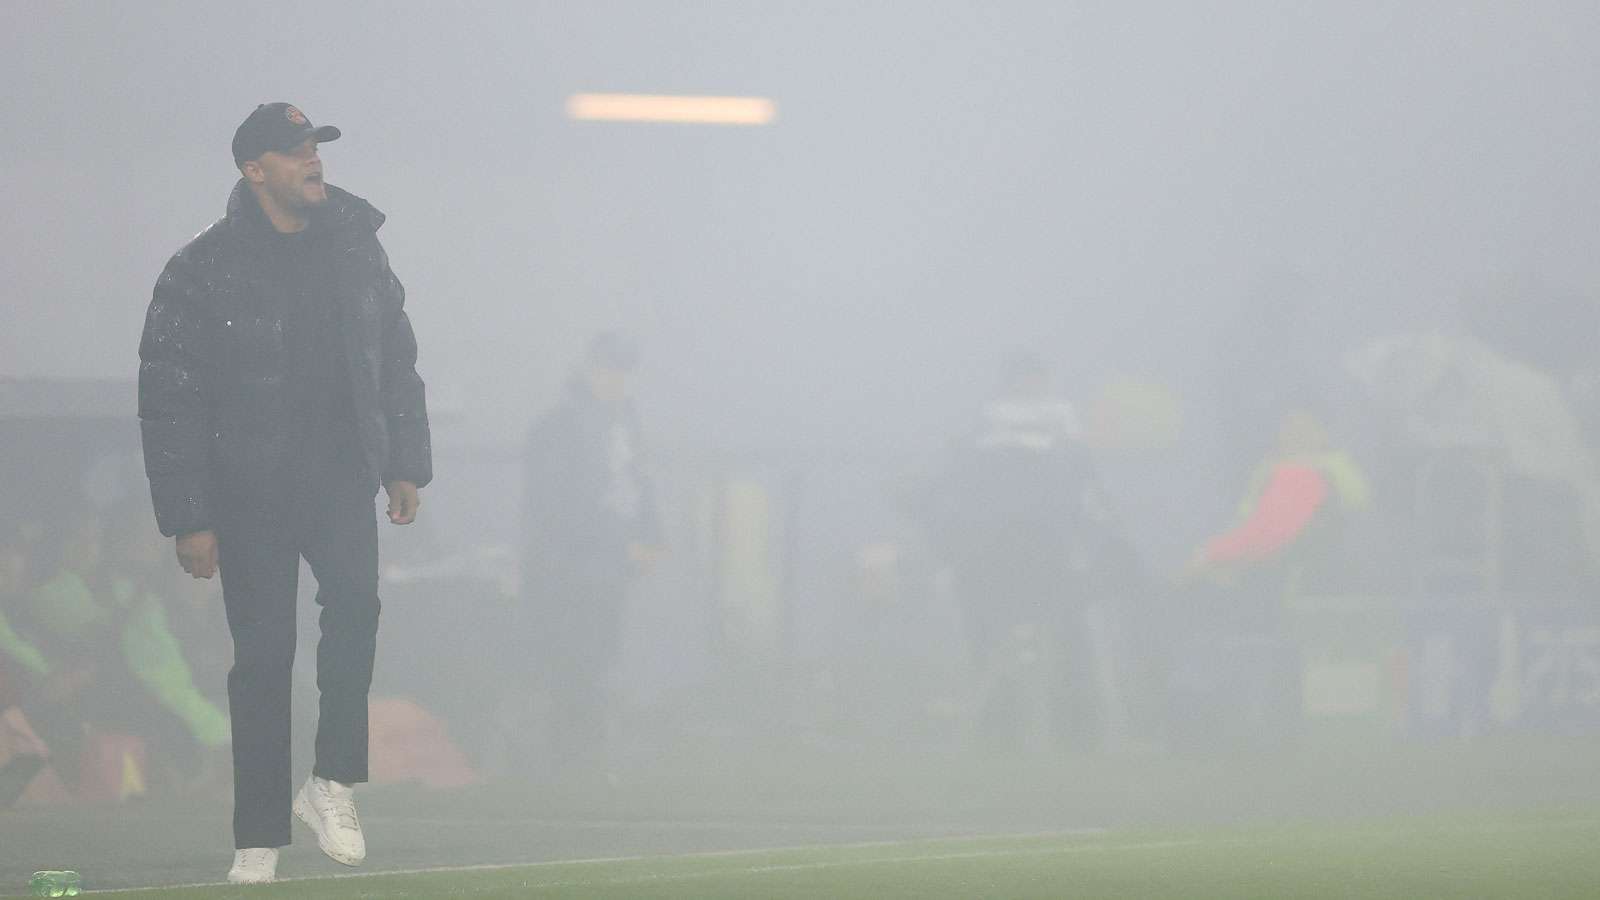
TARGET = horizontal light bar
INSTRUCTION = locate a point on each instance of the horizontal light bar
(666, 108)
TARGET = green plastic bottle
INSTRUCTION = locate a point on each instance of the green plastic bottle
(55, 884)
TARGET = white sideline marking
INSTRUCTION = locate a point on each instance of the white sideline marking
(681, 825)
(662, 857)
(1388, 830)
(875, 861)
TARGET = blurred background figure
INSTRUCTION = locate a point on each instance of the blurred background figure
(194, 734)
(590, 526)
(105, 681)
(1289, 524)
(1235, 667)
(1019, 516)
(1487, 441)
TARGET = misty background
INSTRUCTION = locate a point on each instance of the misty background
(823, 301)
(943, 182)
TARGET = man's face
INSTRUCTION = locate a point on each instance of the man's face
(292, 178)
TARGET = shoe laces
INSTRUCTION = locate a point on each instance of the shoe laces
(254, 857)
(343, 805)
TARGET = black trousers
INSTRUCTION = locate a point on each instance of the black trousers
(331, 521)
(999, 594)
(576, 639)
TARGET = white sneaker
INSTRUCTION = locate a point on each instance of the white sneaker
(255, 865)
(330, 809)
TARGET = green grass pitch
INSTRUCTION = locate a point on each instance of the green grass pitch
(1460, 856)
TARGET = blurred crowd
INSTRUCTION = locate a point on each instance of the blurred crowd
(1444, 475)
(110, 664)
(1440, 483)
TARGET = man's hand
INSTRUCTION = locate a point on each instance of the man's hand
(197, 553)
(403, 502)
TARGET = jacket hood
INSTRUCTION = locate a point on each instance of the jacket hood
(343, 209)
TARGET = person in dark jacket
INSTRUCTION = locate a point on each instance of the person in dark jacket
(277, 390)
(590, 526)
(1021, 518)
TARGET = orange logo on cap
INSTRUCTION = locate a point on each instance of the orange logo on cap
(295, 115)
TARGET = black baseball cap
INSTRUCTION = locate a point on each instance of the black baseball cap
(278, 127)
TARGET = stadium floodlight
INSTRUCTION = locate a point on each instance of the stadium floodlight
(689, 110)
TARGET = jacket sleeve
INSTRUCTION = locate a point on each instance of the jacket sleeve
(405, 401)
(1287, 504)
(174, 411)
(156, 659)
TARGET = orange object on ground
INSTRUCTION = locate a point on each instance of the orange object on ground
(409, 744)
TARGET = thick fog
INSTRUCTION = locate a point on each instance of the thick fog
(942, 182)
(1197, 219)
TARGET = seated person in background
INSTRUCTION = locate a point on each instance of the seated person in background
(94, 643)
(1293, 507)
(1235, 666)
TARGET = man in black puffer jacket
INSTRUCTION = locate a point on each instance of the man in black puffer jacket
(277, 390)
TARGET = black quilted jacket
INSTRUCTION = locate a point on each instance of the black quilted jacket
(213, 391)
